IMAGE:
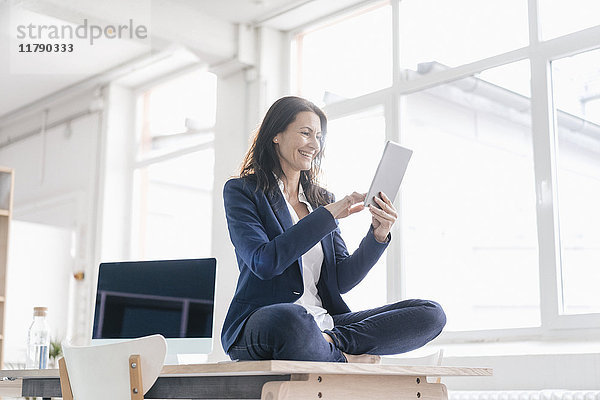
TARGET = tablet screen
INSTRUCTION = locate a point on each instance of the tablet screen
(390, 172)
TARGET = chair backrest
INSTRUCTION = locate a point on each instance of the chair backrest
(102, 372)
(429, 359)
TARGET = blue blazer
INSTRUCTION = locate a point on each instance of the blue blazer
(269, 247)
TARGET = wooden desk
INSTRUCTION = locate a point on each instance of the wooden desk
(270, 380)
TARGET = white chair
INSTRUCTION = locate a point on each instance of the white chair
(433, 359)
(120, 371)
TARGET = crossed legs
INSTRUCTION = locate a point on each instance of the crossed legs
(287, 332)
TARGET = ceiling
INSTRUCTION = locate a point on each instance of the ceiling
(206, 27)
(25, 77)
(279, 14)
(242, 11)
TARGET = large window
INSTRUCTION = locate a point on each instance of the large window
(560, 17)
(576, 83)
(459, 31)
(469, 223)
(332, 55)
(173, 174)
(478, 229)
(177, 114)
(359, 137)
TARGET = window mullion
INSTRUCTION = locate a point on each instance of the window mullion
(544, 156)
(395, 274)
(395, 277)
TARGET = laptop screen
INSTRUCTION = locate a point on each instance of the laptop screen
(174, 298)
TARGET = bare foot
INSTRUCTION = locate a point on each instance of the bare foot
(356, 358)
(328, 338)
(363, 358)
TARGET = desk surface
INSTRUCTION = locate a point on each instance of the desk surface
(280, 367)
(249, 380)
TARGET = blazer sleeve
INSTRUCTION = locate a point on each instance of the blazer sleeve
(351, 269)
(269, 258)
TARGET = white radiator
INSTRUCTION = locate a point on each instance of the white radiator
(524, 395)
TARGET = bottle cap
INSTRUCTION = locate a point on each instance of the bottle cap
(40, 311)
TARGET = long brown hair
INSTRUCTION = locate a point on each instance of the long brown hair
(261, 160)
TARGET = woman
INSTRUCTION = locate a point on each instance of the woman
(293, 262)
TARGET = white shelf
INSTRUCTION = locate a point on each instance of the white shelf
(6, 195)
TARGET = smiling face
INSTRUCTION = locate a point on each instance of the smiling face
(298, 145)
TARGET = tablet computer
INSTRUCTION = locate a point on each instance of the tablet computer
(390, 172)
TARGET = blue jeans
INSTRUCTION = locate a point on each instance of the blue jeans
(287, 332)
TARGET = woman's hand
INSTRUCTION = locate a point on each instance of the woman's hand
(347, 206)
(383, 218)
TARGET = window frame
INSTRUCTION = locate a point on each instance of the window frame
(540, 54)
(138, 163)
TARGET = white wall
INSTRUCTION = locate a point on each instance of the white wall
(115, 174)
(53, 164)
(231, 141)
(111, 212)
(39, 271)
(55, 182)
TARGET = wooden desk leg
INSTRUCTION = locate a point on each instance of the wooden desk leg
(347, 387)
(65, 384)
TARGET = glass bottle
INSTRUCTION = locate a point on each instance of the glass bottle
(38, 340)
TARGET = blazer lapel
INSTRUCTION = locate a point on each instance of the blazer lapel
(280, 209)
(283, 216)
(328, 254)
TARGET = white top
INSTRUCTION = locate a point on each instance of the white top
(311, 270)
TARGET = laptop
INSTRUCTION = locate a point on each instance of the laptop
(174, 298)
